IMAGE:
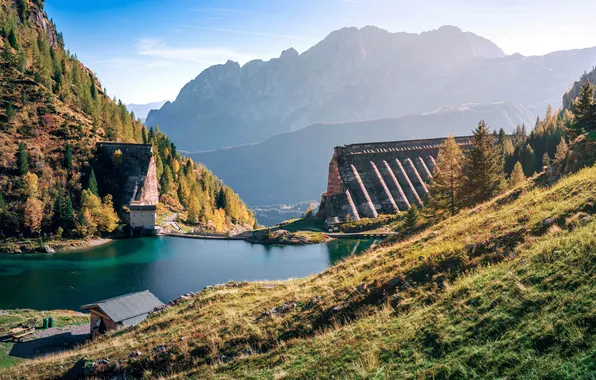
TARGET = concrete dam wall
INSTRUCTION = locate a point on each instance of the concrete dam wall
(134, 179)
(366, 180)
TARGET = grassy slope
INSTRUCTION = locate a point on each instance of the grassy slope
(492, 292)
(12, 318)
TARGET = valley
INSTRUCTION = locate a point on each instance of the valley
(379, 205)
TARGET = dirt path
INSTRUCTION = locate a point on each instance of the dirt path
(50, 341)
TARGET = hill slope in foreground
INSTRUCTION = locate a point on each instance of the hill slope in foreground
(503, 290)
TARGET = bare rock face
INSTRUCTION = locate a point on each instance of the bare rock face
(359, 74)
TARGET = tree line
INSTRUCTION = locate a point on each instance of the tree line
(498, 161)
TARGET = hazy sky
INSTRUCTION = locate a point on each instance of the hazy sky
(145, 51)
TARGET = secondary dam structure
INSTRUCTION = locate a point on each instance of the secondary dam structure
(370, 179)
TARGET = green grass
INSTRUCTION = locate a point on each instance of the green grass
(493, 292)
(12, 318)
(305, 224)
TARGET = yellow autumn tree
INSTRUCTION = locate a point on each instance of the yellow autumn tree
(517, 176)
(194, 210)
(33, 214)
(98, 215)
(30, 185)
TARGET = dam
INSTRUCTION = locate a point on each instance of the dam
(370, 179)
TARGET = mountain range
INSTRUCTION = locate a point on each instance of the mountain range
(142, 110)
(360, 74)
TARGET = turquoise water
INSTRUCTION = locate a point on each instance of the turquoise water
(166, 266)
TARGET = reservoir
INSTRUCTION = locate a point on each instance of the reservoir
(167, 266)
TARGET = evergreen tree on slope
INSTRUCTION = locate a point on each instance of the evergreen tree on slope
(444, 196)
(483, 168)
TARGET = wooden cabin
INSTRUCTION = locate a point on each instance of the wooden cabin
(120, 312)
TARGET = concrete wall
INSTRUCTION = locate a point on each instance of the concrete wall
(366, 180)
(138, 171)
(143, 218)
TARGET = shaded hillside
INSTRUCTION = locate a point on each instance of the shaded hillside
(292, 167)
(53, 112)
(360, 74)
(573, 92)
(502, 291)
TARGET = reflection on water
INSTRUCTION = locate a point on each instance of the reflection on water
(168, 267)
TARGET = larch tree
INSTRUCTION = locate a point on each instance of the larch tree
(30, 185)
(482, 171)
(545, 160)
(33, 214)
(517, 176)
(445, 186)
(561, 153)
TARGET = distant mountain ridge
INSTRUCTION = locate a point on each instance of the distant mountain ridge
(142, 110)
(360, 74)
(292, 167)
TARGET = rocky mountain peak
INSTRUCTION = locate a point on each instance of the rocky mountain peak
(289, 53)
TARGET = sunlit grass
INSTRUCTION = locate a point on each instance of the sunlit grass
(492, 292)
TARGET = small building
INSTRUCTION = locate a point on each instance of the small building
(120, 312)
(143, 216)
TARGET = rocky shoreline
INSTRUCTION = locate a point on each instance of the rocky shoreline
(288, 238)
(31, 246)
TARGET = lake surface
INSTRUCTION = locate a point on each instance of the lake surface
(167, 266)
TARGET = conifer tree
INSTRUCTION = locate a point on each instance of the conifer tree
(444, 190)
(59, 209)
(482, 169)
(562, 150)
(528, 159)
(517, 176)
(22, 159)
(411, 220)
(33, 214)
(69, 217)
(12, 39)
(68, 157)
(584, 110)
(220, 200)
(23, 9)
(545, 160)
(92, 184)
(2, 204)
(10, 113)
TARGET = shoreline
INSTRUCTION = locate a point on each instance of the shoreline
(31, 247)
(91, 243)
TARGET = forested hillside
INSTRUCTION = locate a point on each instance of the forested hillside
(54, 111)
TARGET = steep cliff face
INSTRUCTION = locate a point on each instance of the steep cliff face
(360, 74)
(573, 92)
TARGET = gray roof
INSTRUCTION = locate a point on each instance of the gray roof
(129, 309)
